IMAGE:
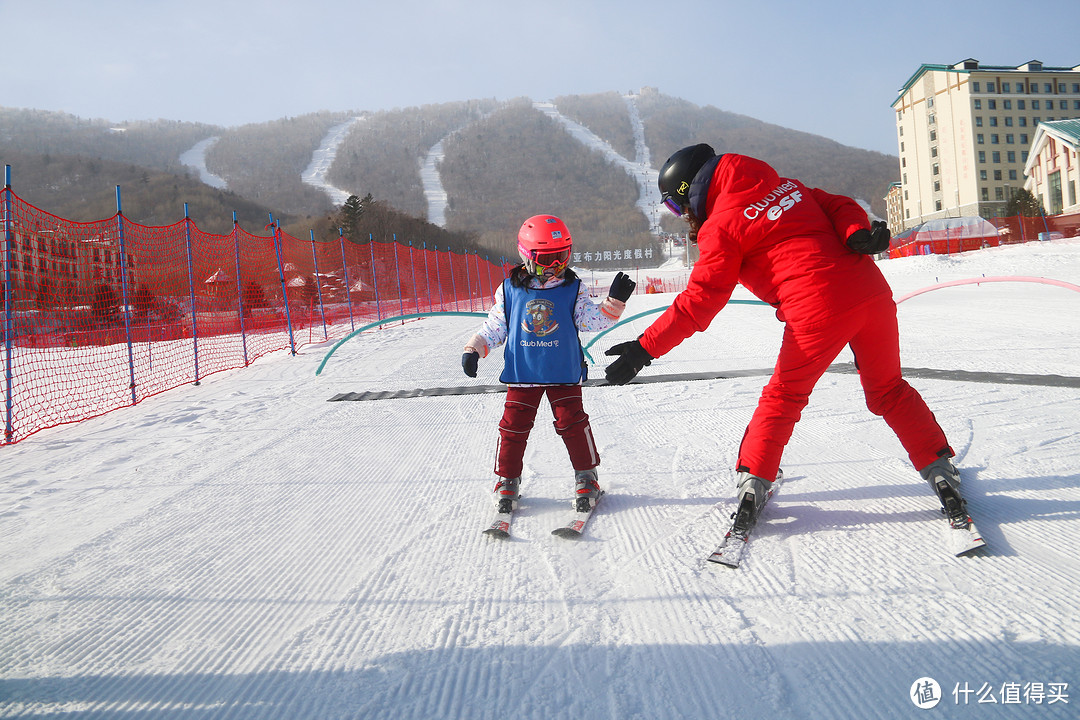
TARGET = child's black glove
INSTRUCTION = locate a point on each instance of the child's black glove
(872, 241)
(632, 357)
(468, 362)
(622, 287)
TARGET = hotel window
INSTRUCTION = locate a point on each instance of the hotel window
(936, 168)
(1035, 105)
(978, 104)
(978, 121)
(1012, 174)
(997, 174)
(995, 157)
(1023, 156)
(999, 193)
(1061, 87)
(990, 87)
(985, 194)
(937, 186)
(991, 104)
(937, 204)
(993, 122)
(933, 135)
(1008, 121)
(1005, 88)
(982, 174)
(1023, 139)
(994, 139)
(1076, 87)
(933, 151)
(1063, 104)
(1009, 138)
(1048, 88)
(1011, 155)
(1007, 105)
(1034, 88)
(975, 88)
(1023, 121)
(1021, 105)
(982, 156)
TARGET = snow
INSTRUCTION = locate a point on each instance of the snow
(317, 171)
(196, 158)
(246, 549)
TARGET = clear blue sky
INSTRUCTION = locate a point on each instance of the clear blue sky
(829, 67)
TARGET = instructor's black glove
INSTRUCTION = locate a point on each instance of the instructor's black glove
(632, 357)
(468, 362)
(622, 287)
(872, 241)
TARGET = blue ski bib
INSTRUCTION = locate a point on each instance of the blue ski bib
(542, 345)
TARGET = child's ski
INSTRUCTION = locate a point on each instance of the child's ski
(504, 516)
(580, 515)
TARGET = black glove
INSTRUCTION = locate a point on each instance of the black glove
(872, 241)
(468, 362)
(632, 357)
(622, 287)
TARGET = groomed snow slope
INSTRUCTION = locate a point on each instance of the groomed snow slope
(246, 549)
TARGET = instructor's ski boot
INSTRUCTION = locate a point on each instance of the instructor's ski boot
(506, 494)
(751, 493)
(944, 478)
(586, 490)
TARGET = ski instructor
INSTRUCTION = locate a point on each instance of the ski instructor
(808, 254)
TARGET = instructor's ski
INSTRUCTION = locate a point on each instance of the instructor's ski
(962, 537)
(730, 550)
(583, 510)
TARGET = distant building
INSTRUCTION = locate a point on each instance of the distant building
(1052, 170)
(894, 207)
(965, 132)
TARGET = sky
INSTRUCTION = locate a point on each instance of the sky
(831, 68)
(245, 549)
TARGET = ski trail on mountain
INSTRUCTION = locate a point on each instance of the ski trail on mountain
(434, 192)
(196, 158)
(638, 169)
(315, 174)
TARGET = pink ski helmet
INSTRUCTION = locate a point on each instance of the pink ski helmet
(544, 245)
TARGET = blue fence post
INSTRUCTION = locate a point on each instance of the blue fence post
(318, 285)
(427, 277)
(276, 231)
(438, 279)
(345, 274)
(397, 271)
(9, 320)
(412, 274)
(375, 278)
(239, 286)
(124, 295)
(191, 289)
(453, 279)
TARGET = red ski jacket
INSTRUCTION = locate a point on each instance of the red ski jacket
(781, 240)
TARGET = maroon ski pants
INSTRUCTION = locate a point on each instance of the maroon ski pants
(871, 331)
(571, 423)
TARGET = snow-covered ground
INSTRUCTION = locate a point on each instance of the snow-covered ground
(246, 549)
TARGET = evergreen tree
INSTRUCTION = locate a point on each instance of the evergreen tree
(1023, 203)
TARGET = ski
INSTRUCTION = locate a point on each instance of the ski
(581, 513)
(504, 516)
(962, 537)
(730, 550)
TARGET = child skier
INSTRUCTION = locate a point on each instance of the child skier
(539, 310)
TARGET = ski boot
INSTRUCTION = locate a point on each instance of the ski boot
(751, 493)
(507, 494)
(586, 490)
(944, 478)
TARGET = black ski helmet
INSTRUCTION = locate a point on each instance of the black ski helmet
(677, 174)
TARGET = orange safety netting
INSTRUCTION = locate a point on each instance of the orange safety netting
(104, 314)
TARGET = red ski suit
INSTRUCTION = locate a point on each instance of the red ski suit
(784, 242)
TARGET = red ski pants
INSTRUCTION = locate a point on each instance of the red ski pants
(872, 333)
(571, 423)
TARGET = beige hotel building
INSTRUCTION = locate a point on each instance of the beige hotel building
(965, 131)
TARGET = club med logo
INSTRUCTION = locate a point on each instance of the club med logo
(775, 203)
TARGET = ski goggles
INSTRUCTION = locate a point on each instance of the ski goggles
(670, 204)
(549, 260)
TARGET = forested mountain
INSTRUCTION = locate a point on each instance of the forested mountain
(503, 162)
